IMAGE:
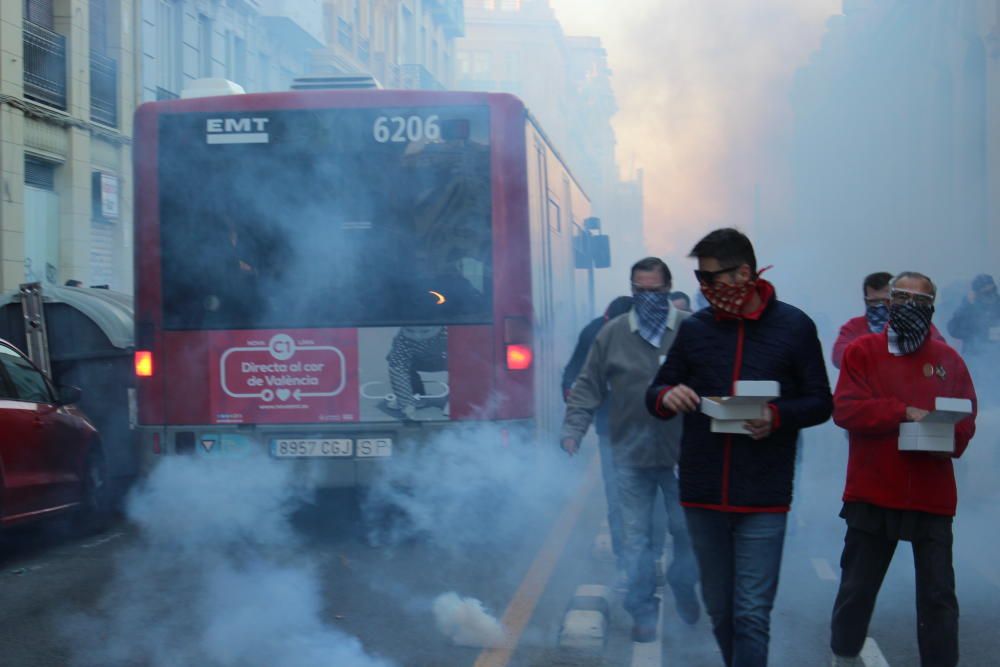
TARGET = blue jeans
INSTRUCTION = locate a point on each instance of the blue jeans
(637, 492)
(610, 476)
(739, 556)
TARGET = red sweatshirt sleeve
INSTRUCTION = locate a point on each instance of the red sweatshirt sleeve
(855, 406)
(963, 388)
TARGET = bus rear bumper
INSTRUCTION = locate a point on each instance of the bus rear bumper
(372, 446)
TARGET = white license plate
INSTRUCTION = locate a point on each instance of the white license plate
(298, 448)
(370, 448)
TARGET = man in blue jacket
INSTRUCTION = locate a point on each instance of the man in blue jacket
(619, 306)
(737, 489)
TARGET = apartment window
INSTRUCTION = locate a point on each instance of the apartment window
(510, 5)
(204, 46)
(40, 12)
(99, 27)
(464, 61)
(482, 64)
(236, 59)
(41, 221)
(407, 49)
(423, 45)
(434, 57)
(265, 73)
(167, 46)
(513, 65)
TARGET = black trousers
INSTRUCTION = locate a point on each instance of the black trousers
(863, 564)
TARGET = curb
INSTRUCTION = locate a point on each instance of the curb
(585, 625)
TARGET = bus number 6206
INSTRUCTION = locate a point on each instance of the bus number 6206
(403, 129)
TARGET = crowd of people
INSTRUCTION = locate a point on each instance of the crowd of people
(643, 369)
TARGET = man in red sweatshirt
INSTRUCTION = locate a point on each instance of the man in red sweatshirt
(876, 291)
(894, 495)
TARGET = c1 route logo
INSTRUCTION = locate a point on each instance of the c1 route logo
(283, 371)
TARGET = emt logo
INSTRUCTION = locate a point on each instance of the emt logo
(237, 131)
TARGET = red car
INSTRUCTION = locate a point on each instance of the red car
(50, 454)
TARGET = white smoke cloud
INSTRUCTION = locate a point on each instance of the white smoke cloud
(216, 577)
(469, 486)
(466, 623)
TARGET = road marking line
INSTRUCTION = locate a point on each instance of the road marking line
(650, 654)
(871, 654)
(103, 540)
(823, 569)
(522, 606)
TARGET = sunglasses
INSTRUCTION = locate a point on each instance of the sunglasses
(709, 277)
(901, 296)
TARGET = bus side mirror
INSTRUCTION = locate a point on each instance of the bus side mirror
(600, 251)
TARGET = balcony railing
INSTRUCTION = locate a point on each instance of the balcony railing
(364, 50)
(418, 77)
(451, 15)
(103, 90)
(345, 34)
(44, 65)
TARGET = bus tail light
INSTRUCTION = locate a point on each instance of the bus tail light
(517, 341)
(144, 363)
(519, 357)
(157, 449)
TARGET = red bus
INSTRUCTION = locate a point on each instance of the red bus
(339, 274)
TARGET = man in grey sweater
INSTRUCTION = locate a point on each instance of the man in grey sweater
(623, 359)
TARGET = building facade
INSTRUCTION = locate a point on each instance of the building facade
(896, 142)
(262, 45)
(519, 47)
(401, 43)
(66, 90)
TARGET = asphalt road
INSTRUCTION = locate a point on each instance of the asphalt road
(382, 594)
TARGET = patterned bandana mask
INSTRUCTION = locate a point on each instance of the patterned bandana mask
(728, 299)
(652, 309)
(909, 324)
(877, 316)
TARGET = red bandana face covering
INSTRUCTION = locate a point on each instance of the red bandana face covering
(728, 299)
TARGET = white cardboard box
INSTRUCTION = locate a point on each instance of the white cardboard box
(749, 402)
(936, 432)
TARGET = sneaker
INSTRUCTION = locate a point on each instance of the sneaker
(688, 607)
(644, 632)
(843, 661)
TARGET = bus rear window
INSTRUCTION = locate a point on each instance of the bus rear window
(325, 218)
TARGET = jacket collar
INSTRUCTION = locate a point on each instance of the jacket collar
(672, 319)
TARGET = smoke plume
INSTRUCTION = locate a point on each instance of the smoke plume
(215, 578)
(466, 622)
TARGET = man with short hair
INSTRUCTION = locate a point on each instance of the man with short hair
(681, 301)
(876, 292)
(619, 306)
(893, 495)
(736, 489)
(624, 356)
